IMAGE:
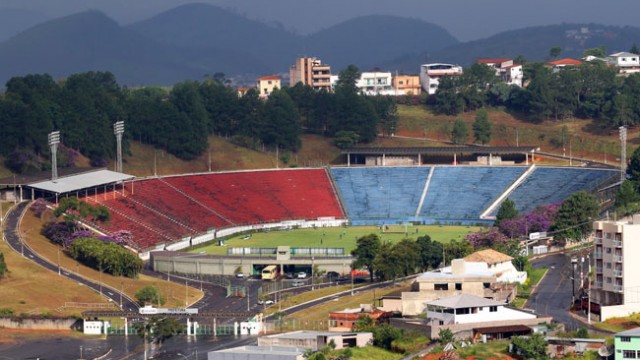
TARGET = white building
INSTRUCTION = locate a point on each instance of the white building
(316, 340)
(375, 83)
(430, 75)
(468, 309)
(616, 288)
(506, 70)
(251, 352)
(95, 327)
(627, 63)
(499, 264)
(462, 277)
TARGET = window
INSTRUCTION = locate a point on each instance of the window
(486, 285)
(625, 339)
(629, 354)
(440, 286)
(608, 280)
(458, 286)
(493, 309)
(608, 250)
(608, 265)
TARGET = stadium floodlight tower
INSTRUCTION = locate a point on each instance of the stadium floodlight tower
(54, 140)
(118, 130)
(623, 152)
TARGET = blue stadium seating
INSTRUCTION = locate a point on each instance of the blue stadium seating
(462, 192)
(552, 185)
(377, 194)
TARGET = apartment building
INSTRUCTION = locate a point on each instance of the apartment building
(407, 84)
(267, 84)
(430, 75)
(615, 287)
(506, 70)
(310, 71)
(627, 63)
(375, 83)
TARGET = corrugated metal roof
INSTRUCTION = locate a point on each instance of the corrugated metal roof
(81, 181)
(440, 150)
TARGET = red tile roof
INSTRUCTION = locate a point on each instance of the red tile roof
(566, 61)
(269, 77)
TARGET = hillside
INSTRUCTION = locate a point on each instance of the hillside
(90, 41)
(195, 40)
(14, 21)
(533, 43)
(372, 41)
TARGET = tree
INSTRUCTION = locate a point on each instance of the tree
(430, 252)
(531, 347)
(280, 126)
(486, 238)
(597, 52)
(346, 139)
(3, 266)
(575, 216)
(156, 330)
(635, 49)
(633, 169)
(555, 51)
(447, 98)
(507, 211)
(459, 132)
(149, 295)
(482, 127)
(367, 248)
(445, 336)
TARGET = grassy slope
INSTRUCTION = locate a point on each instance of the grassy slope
(27, 287)
(587, 141)
(330, 237)
(173, 293)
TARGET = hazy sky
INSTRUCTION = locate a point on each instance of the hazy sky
(465, 19)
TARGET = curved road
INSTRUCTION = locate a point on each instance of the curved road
(11, 233)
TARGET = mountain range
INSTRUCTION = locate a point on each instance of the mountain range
(195, 40)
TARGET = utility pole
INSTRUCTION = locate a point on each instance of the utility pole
(623, 152)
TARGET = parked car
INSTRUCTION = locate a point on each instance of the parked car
(297, 283)
(265, 302)
(240, 275)
(302, 275)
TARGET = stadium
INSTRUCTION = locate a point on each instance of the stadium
(180, 211)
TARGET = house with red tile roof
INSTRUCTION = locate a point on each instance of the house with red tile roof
(506, 70)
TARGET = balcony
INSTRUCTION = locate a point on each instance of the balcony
(618, 273)
(618, 288)
(597, 284)
(597, 240)
(598, 254)
(599, 269)
(617, 243)
(617, 258)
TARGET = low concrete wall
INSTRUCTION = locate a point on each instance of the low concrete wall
(40, 324)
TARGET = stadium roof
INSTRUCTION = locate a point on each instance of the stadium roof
(80, 181)
(21, 179)
(441, 150)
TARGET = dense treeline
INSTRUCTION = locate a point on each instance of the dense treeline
(84, 107)
(591, 90)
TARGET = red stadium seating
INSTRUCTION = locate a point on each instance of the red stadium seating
(157, 210)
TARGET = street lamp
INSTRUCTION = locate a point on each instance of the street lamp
(574, 262)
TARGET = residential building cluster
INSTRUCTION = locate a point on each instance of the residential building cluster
(313, 72)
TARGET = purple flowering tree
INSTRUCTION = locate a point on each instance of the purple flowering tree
(39, 207)
(486, 238)
(539, 219)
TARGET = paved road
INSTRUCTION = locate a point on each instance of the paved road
(12, 236)
(553, 295)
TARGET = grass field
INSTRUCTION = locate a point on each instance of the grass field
(174, 293)
(341, 237)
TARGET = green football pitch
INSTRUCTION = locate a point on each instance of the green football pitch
(338, 237)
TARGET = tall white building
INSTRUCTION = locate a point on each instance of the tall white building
(616, 282)
(627, 63)
(430, 75)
